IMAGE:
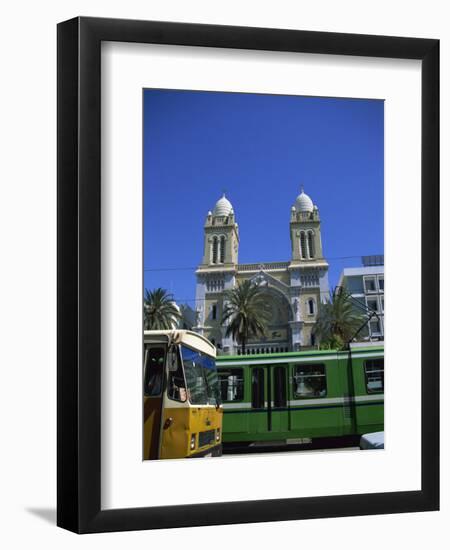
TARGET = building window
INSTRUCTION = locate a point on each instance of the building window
(302, 244)
(372, 304)
(310, 381)
(375, 328)
(382, 303)
(213, 285)
(374, 371)
(311, 307)
(370, 284)
(215, 245)
(214, 312)
(222, 250)
(381, 283)
(231, 383)
(311, 244)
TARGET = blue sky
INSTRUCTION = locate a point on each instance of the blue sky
(260, 149)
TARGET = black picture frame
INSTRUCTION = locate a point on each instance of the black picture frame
(79, 280)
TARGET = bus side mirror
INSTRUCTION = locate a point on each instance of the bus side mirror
(172, 360)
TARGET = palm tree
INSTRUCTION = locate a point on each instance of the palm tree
(338, 321)
(160, 310)
(246, 312)
(187, 319)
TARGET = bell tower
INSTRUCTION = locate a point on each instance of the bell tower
(221, 240)
(306, 241)
(217, 272)
(308, 270)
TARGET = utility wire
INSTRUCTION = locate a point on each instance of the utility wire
(196, 267)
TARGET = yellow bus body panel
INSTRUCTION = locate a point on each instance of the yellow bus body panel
(152, 425)
(176, 440)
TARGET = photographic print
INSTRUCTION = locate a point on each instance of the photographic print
(263, 273)
(226, 196)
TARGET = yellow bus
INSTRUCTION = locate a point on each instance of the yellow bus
(182, 413)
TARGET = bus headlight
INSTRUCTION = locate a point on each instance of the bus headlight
(218, 434)
(192, 442)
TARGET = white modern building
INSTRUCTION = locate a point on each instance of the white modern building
(365, 284)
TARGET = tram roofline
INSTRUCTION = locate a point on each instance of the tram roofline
(251, 358)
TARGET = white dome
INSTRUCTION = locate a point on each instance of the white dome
(223, 207)
(303, 203)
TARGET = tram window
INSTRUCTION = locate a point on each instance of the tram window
(176, 386)
(279, 381)
(374, 371)
(231, 384)
(154, 371)
(310, 381)
(258, 388)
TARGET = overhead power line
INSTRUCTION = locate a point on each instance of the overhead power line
(195, 267)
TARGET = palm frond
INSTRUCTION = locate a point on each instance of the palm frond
(246, 312)
(338, 320)
(160, 311)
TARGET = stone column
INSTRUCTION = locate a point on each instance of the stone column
(296, 332)
(324, 286)
(200, 292)
(229, 346)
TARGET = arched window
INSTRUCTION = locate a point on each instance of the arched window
(302, 245)
(311, 306)
(222, 250)
(311, 244)
(215, 245)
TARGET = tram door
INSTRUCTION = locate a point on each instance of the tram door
(279, 411)
(270, 412)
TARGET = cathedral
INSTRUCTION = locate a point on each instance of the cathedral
(295, 287)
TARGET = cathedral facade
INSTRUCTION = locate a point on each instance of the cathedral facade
(294, 288)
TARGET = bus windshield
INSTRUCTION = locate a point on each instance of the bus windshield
(201, 377)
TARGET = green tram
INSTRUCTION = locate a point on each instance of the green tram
(297, 397)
